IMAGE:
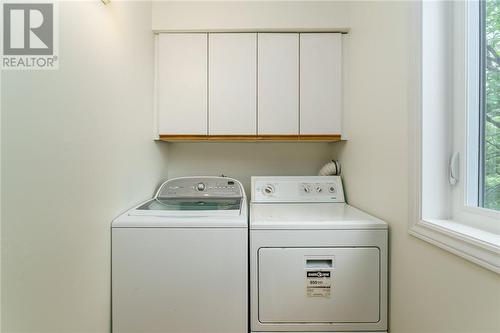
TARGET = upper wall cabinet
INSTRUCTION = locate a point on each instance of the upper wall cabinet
(182, 84)
(249, 86)
(320, 83)
(278, 83)
(232, 62)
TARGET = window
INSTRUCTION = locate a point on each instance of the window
(455, 128)
(483, 109)
(489, 164)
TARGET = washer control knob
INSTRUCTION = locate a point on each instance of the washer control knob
(331, 189)
(319, 189)
(200, 187)
(307, 188)
(268, 189)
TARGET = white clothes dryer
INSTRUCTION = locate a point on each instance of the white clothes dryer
(316, 263)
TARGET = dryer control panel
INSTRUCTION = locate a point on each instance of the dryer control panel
(297, 189)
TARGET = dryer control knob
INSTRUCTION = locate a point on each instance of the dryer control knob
(268, 189)
(307, 188)
(200, 187)
(319, 189)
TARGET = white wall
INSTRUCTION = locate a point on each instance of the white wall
(243, 160)
(77, 150)
(251, 15)
(431, 289)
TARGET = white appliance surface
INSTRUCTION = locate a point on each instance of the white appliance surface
(311, 216)
(180, 265)
(316, 263)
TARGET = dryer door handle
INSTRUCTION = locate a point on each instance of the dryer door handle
(320, 263)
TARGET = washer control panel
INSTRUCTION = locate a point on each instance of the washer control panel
(297, 189)
(194, 187)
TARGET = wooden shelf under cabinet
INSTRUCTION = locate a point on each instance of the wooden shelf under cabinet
(252, 138)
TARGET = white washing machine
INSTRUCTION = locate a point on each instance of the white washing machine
(180, 260)
(316, 263)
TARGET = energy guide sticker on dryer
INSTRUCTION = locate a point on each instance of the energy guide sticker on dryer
(319, 283)
(319, 275)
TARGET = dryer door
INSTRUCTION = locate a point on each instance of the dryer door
(319, 285)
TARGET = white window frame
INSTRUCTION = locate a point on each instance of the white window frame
(442, 116)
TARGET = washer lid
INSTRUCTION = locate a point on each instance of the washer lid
(195, 196)
(174, 215)
(179, 205)
(311, 216)
(191, 202)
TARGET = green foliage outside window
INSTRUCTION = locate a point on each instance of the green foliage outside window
(491, 194)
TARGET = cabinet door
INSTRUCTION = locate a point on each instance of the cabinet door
(278, 88)
(182, 84)
(232, 82)
(320, 83)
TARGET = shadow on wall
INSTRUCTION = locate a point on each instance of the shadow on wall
(243, 160)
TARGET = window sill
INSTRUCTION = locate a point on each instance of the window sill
(478, 246)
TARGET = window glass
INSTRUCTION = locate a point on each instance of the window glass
(489, 193)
